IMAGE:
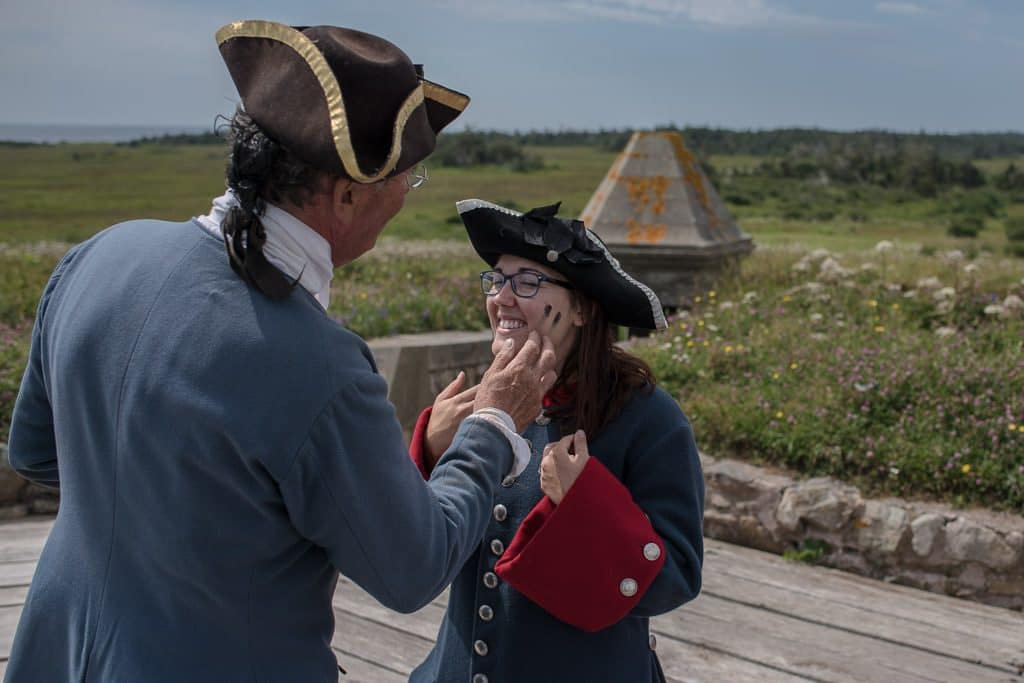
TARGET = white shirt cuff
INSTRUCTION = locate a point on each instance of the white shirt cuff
(520, 448)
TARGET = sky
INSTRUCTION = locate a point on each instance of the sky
(935, 65)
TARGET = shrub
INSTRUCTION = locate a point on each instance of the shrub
(1015, 229)
(966, 226)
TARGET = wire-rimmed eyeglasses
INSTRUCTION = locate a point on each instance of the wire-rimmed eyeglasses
(416, 176)
(525, 283)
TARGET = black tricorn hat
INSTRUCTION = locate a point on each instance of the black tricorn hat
(567, 246)
(347, 102)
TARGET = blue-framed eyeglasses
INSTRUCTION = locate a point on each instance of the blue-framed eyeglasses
(525, 283)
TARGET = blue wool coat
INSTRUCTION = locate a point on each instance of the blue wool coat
(220, 457)
(493, 633)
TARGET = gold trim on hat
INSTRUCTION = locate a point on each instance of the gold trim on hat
(448, 98)
(309, 52)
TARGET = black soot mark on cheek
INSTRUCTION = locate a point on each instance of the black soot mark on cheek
(547, 310)
(558, 318)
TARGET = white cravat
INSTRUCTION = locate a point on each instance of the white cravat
(292, 247)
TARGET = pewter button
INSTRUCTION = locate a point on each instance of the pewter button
(497, 547)
(490, 579)
(652, 551)
(480, 647)
(653, 642)
(485, 612)
(628, 587)
(500, 512)
(552, 255)
(479, 678)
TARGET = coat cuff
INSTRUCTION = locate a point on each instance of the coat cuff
(589, 560)
(418, 443)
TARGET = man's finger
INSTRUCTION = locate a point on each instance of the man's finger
(454, 386)
(548, 380)
(504, 356)
(527, 355)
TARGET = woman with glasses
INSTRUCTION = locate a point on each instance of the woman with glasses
(603, 529)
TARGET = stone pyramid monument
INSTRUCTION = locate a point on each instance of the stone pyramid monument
(663, 220)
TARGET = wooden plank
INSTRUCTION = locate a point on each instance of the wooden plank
(8, 623)
(957, 628)
(13, 595)
(16, 574)
(867, 616)
(358, 670)
(392, 649)
(817, 652)
(681, 661)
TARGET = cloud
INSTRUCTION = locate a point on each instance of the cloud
(908, 9)
(707, 14)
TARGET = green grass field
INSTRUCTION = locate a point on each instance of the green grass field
(926, 398)
(68, 192)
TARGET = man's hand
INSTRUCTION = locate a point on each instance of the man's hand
(451, 407)
(562, 463)
(516, 382)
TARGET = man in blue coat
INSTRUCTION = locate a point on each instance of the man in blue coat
(223, 448)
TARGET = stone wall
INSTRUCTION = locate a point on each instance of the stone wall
(975, 554)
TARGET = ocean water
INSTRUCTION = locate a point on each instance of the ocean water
(15, 132)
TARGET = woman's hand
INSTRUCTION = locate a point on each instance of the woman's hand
(450, 408)
(559, 467)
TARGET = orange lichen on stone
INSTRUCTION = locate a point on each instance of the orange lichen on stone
(649, 233)
(647, 192)
(693, 178)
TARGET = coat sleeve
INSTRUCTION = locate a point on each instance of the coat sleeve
(353, 491)
(32, 447)
(611, 548)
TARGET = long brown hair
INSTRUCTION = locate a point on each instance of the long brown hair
(605, 376)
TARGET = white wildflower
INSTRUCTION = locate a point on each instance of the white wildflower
(1013, 303)
(954, 255)
(816, 317)
(831, 271)
(971, 268)
(944, 294)
(726, 306)
(801, 266)
(944, 307)
(929, 283)
(945, 331)
(819, 254)
(883, 246)
(750, 298)
(994, 310)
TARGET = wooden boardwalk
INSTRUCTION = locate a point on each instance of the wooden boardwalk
(758, 619)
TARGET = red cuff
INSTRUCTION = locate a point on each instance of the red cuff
(418, 443)
(589, 560)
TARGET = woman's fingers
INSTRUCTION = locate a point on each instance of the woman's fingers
(453, 387)
(579, 444)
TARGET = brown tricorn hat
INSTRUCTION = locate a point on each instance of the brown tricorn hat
(347, 102)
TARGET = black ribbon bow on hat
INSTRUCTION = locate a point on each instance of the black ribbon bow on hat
(561, 237)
